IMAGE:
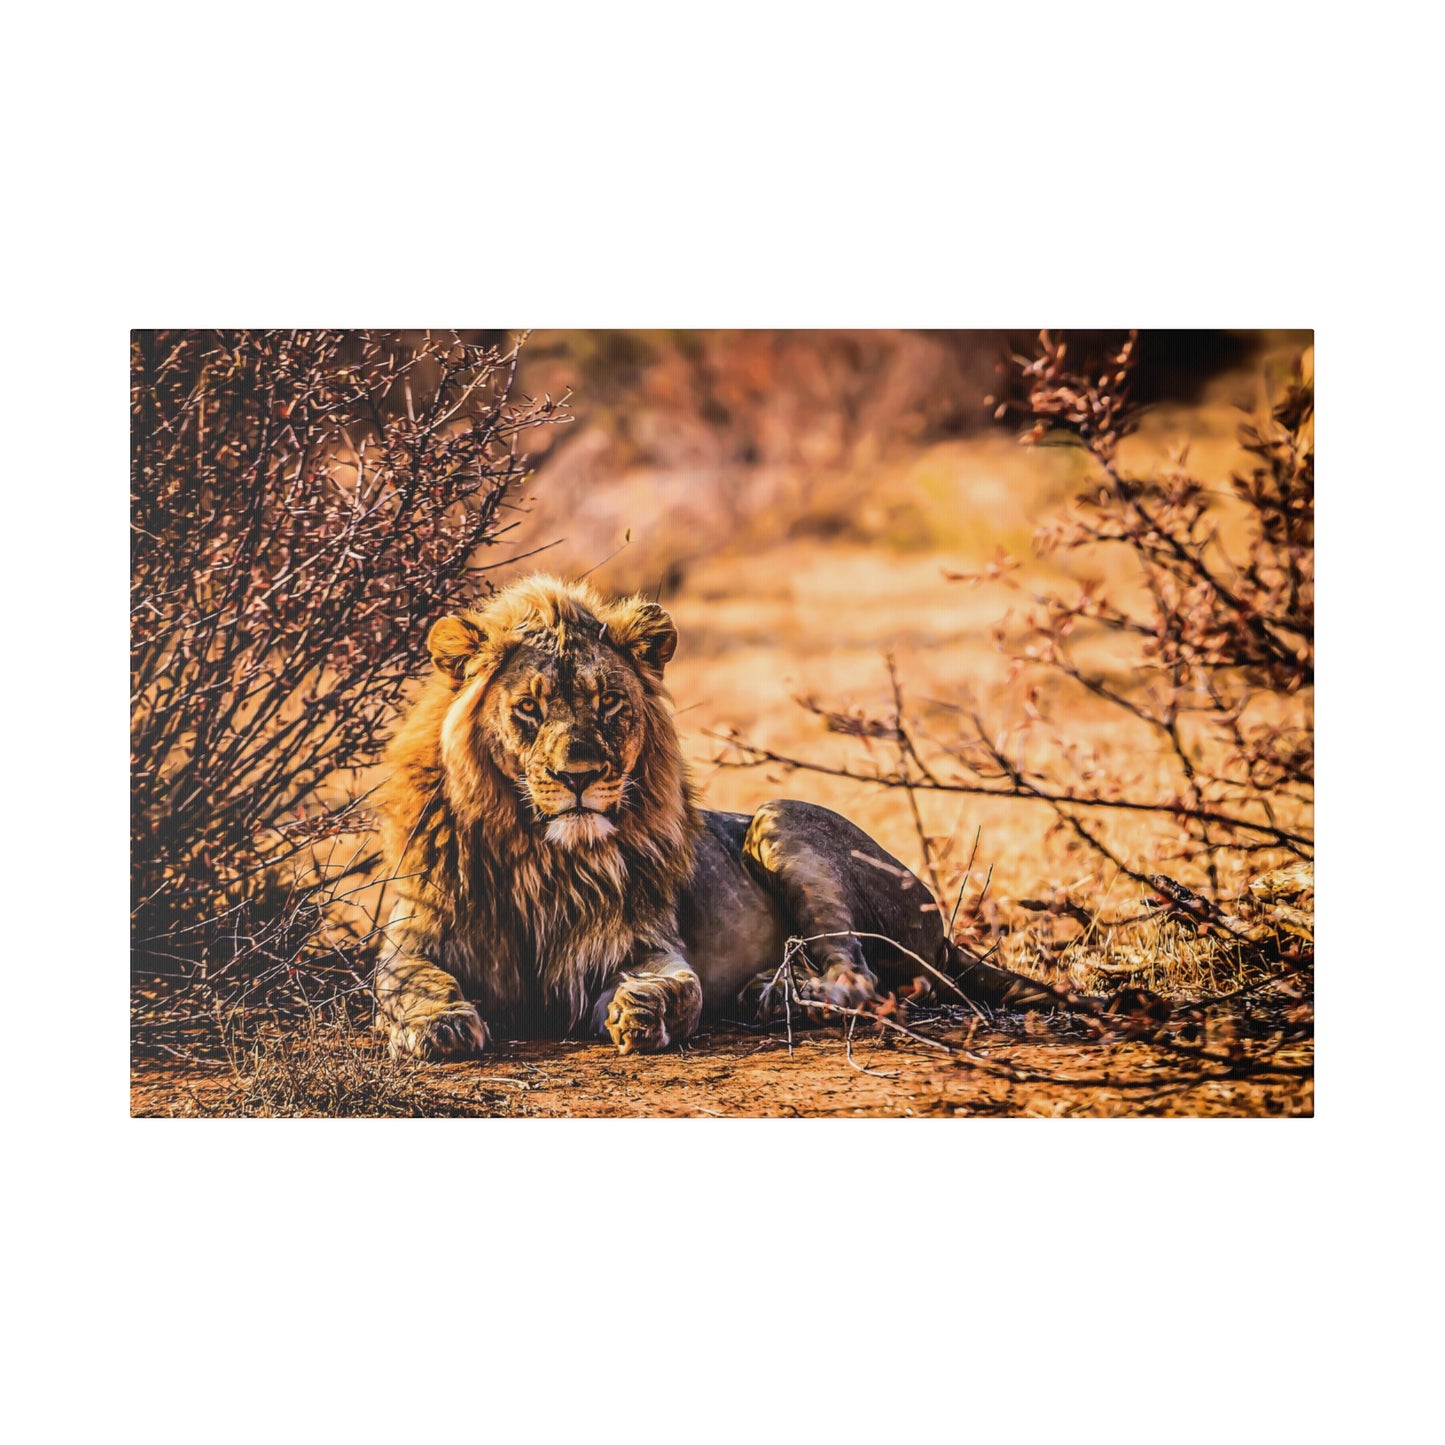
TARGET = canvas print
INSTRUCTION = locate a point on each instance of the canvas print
(722, 723)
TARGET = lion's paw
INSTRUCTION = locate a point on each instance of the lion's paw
(455, 1032)
(636, 1018)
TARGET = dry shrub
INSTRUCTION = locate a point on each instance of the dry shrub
(303, 505)
(1161, 708)
(1205, 658)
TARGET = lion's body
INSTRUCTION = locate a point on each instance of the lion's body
(796, 870)
(553, 870)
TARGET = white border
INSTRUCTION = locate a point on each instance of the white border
(782, 165)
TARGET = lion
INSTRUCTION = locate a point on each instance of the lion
(553, 867)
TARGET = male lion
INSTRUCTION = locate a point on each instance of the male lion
(553, 865)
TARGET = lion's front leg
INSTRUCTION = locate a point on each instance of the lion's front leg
(657, 1005)
(424, 1013)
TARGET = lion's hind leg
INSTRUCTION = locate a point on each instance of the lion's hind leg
(785, 849)
(845, 894)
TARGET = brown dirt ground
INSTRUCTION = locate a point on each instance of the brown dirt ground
(1036, 1067)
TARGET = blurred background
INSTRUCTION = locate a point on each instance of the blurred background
(709, 444)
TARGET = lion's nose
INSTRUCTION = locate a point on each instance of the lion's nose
(579, 781)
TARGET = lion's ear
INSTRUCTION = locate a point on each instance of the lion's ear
(453, 642)
(644, 630)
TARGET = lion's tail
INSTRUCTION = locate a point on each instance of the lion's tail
(997, 988)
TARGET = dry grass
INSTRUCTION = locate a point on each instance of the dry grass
(1166, 955)
(312, 1067)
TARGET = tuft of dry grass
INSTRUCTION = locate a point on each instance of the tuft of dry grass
(1177, 943)
(320, 1068)
(1166, 955)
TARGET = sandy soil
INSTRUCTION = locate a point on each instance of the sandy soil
(1035, 1067)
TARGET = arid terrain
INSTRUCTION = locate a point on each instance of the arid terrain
(1020, 1066)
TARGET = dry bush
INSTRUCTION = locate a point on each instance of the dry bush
(1160, 709)
(1208, 656)
(303, 505)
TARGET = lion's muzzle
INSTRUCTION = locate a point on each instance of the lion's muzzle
(576, 804)
(578, 781)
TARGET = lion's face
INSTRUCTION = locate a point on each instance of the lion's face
(567, 728)
(556, 697)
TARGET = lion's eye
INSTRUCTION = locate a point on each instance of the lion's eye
(611, 701)
(528, 708)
